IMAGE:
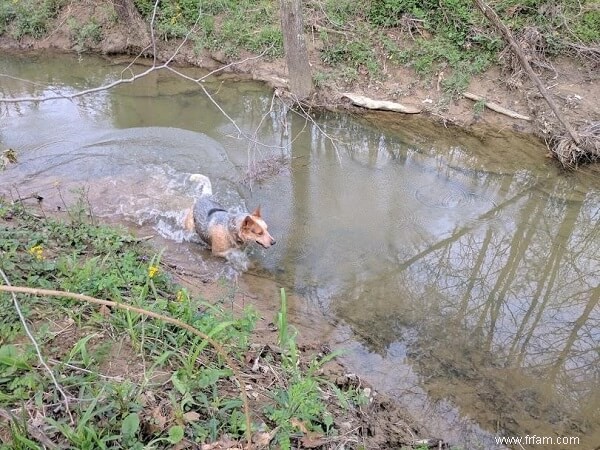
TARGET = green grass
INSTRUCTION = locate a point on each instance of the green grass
(181, 388)
(241, 25)
(28, 17)
(83, 34)
(353, 37)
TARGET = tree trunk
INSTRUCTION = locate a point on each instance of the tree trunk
(491, 15)
(296, 55)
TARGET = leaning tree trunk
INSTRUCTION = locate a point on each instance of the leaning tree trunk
(491, 15)
(296, 55)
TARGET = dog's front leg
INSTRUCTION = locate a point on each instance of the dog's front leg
(221, 253)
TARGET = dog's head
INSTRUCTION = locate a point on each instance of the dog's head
(254, 229)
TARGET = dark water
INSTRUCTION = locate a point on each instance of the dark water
(463, 270)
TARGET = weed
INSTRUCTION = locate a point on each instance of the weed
(287, 337)
(354, 54)
(88, 32)
(195, 397)
(479, 108)
(587, 29)
(340, 12)
(320, 79)
(242, 25)
(456, 83)
(30, 17)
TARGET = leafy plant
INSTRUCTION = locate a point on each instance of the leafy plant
(587, 28)
(31, 17)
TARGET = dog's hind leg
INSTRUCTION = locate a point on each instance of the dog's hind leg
(188, 221)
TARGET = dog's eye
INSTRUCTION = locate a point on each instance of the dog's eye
(261, 232)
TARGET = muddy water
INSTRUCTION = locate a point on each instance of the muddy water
(462, 271)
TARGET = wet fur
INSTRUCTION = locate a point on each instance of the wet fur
(221, 230)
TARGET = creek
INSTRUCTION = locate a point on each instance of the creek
(459, 271)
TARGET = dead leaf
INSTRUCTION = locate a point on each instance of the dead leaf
(264, 439)
(299, 424)
(104, 311)
(191, 416)
(312, 440)
(182, 445)
(224, 444)
(160, 416)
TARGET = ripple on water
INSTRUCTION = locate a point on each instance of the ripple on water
(477, 209)
(443, 196)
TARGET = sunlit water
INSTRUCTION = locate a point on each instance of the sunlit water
(463, 271)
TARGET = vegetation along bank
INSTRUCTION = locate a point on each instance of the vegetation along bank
(157, 365)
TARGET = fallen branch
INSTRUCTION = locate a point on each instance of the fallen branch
(495, 106)
(87, 299)
(491, 15)
(385, 105)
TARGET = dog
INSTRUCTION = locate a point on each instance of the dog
(220, 229)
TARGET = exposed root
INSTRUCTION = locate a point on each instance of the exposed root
(533, 45)
(585, 52)
(571, 154)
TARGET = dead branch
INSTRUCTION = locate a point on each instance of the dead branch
(87, 299)
(491, 15)
(495, 106)
(385, 105)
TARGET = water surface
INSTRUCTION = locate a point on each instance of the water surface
(462, 270)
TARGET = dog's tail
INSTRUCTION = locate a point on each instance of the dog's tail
(203, 186)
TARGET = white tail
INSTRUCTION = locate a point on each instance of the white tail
(204, 186)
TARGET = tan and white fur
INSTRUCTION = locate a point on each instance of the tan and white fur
(221, 230)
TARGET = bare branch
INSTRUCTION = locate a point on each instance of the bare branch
(123, 306)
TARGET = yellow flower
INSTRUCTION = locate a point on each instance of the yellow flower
(37, 251)
(180, 296)
(152, 270)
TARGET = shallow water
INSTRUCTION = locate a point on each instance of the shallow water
(463, 270)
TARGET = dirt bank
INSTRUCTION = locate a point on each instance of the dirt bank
(574, 85)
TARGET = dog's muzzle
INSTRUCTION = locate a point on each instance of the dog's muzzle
(273, 242)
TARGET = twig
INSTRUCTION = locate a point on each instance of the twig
(81, 369)
(495, 106)
(87, 299)
(36, 346)
(35, 432)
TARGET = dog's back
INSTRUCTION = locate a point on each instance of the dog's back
(205, 213)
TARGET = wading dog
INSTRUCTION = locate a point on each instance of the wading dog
(220, 229)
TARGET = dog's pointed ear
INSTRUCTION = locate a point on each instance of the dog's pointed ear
(256, 211)
(247, 223)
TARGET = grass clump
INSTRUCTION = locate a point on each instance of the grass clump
(445, 35)
(132, 381)
(228, 25)
(28, 17)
